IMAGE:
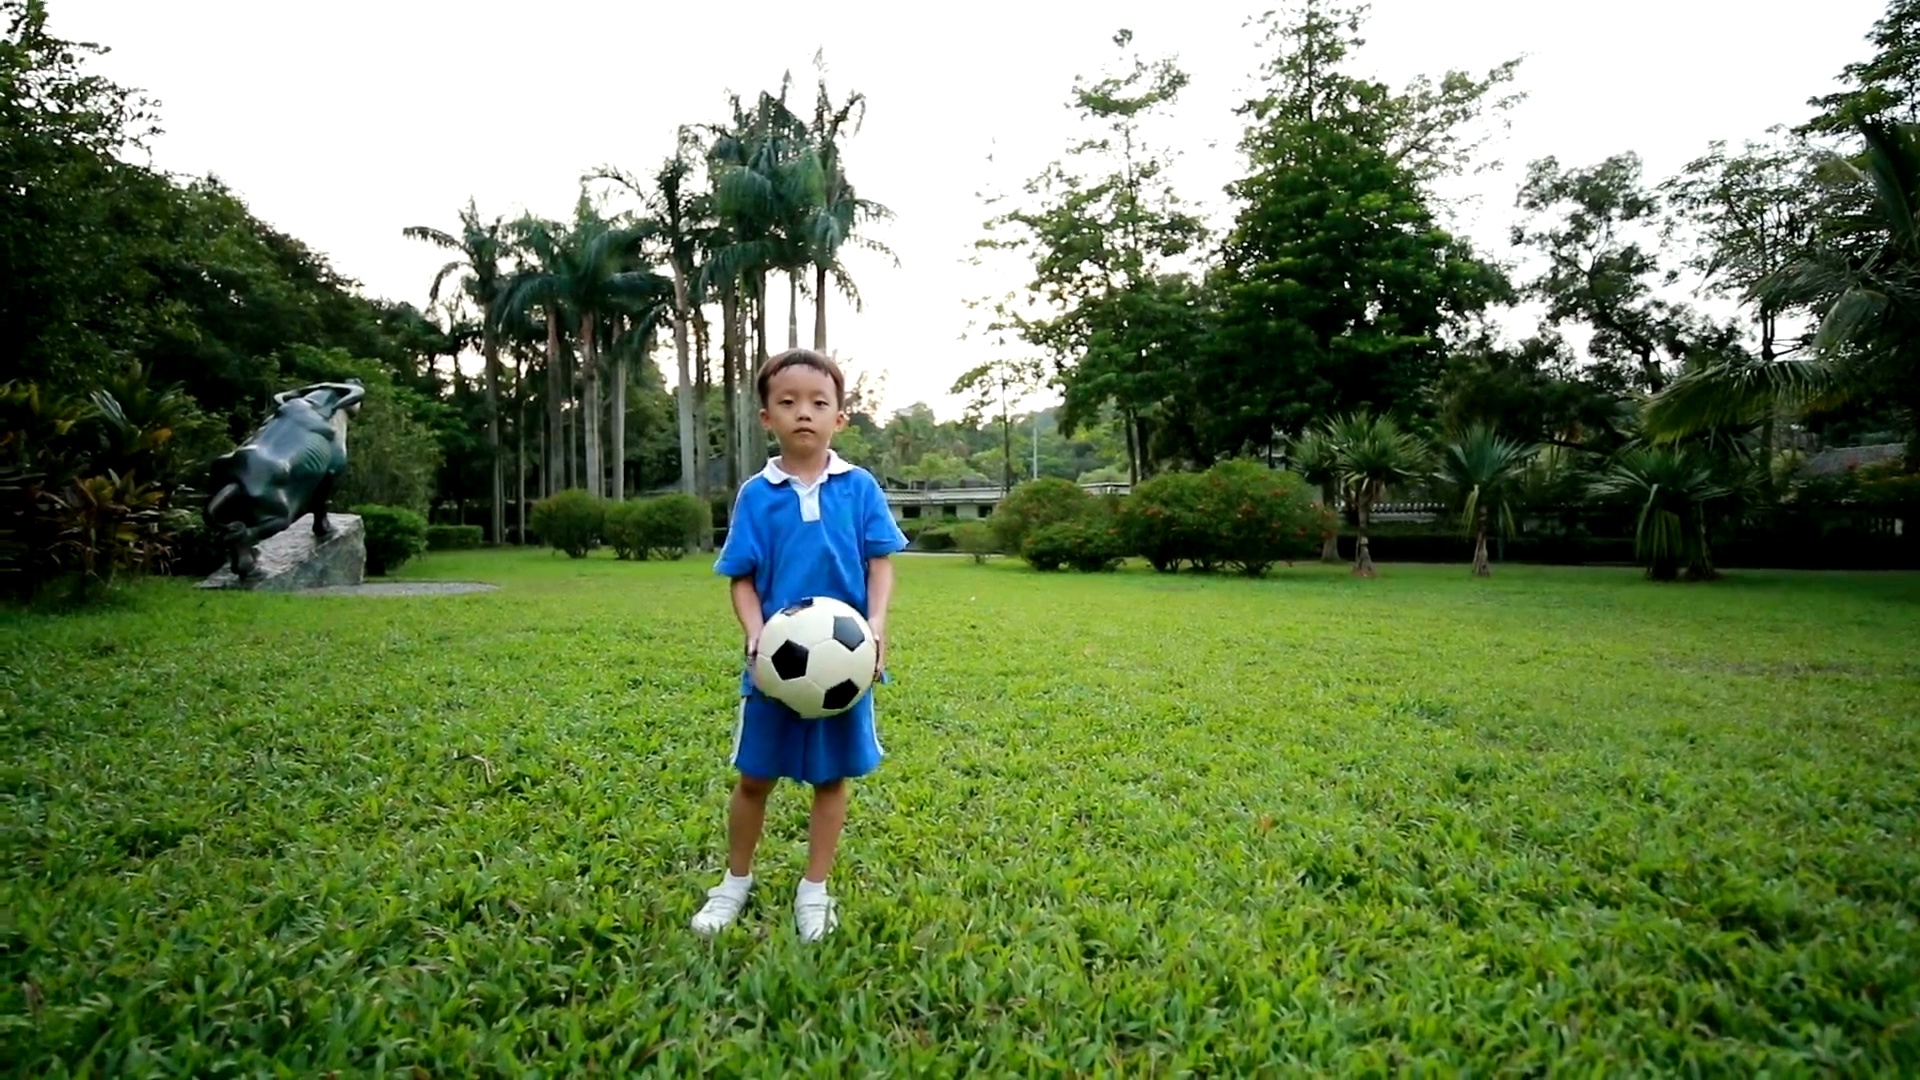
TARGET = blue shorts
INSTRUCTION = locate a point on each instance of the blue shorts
(772, 742)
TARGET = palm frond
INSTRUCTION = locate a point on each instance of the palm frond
(1741, 392)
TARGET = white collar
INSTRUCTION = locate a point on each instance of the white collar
(774, 474)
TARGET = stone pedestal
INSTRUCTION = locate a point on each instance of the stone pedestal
(291, 560)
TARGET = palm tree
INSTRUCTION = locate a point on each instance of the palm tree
(1484, 472)
(1314, 457)
(766, 179)
(678, 222)
(835, 221)
(1373, 456)
(1672, 488)
(543, 282)
(1860, 276)
(481, 248)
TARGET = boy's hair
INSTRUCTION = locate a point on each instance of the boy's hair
(820, 362)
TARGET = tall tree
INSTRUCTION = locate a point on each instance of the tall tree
(1103, 242)
(1337, 285)
(1593, 226)
(1885, 87)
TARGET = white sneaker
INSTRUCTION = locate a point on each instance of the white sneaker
(814, 918)
(722, 907)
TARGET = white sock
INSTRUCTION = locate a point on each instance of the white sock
(812, 890)
(737, 884)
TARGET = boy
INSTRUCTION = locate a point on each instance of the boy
(809, 524)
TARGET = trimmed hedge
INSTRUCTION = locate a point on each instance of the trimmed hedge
(394, 534)
(454, 537)
(665, 526)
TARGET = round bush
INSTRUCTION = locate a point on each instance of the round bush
(671, 525)
(1090, 543)
(974, 538)
(622, 528)
(1260, 516)
(1033, 505)
(395, 534)
(570, 521)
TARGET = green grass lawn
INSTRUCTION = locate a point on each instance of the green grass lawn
(1556, 819)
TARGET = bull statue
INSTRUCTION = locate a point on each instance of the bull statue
(289, 467)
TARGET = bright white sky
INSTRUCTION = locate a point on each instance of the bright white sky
(342, 122)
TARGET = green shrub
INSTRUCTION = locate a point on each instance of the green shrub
(1166, 521)
(454, 537)
(935, 538)
(570, 521)
(975, 538)
(622, 530)
(1090, 543)
(394, 535)
(1260, 517)
(672, 525)
(1034, 505)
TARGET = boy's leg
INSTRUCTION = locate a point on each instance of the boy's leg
(823, 828)
(813, 908)
(757, 754)
(844, 748)
(746, 816)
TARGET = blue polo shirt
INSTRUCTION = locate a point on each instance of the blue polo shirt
(797, 540)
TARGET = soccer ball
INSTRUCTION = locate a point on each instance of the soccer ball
(816, 657)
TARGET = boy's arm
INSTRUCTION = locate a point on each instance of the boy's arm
(879, 595)
(746, 607)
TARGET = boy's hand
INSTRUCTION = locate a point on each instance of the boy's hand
(879, 647)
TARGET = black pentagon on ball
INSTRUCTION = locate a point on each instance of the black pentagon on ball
(847, 632)
(790, 660)
(797, 606)
(841, 696)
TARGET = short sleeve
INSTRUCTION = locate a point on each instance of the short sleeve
(740, 555)
(880, 534)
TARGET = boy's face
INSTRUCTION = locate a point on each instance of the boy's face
(802, 409)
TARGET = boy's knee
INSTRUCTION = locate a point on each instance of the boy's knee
(754, 787)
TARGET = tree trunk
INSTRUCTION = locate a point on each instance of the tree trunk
(730, 380)
(619, 440)
(596, 475)
(684, 396)
(552, 472)
(820, 309)
(1330, 544)
(520, 446)
(793, 310)
(1362, 557)
(753, 448)
(491, 350)
(1006, 448)
(703, 386)
(1481, 567)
